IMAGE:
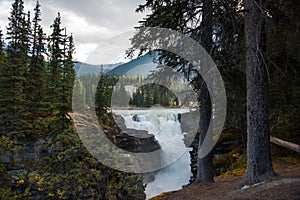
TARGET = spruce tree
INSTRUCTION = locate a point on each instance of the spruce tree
(60, 72)
(2, 54)
(259, 162)
(79, 97)
(13, 106)
(68, 74)
(37, 70)
(36, 27)
(55, 67)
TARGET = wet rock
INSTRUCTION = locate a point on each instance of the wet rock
(136, 118)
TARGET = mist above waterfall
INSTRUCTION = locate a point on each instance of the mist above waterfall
(165, 126)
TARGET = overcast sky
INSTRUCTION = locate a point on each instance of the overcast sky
(90, 21)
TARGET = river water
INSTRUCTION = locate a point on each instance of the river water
(165, 126)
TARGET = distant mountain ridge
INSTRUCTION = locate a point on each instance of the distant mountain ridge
(142, 66)
(84, 68)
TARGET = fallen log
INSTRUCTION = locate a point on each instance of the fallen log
(288, 145)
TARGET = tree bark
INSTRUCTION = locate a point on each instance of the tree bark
(259, 163)
(205, 171)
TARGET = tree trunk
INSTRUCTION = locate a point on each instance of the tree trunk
(259, 163)
(205, 171)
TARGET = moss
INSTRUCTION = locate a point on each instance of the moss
(231, 165)
(6, 193)
(290, 159)
(233, 172)
(161, 196)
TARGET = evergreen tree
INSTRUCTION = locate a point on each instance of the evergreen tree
(55, 65)
(26, 32)
(90, 81)
(37, 72)
(2, 54)
(151, 94)
(120, 97)
(36, 28)
(79, 96)
(13, 104)
(68, 74)
(259, 162)
(104, 93)
(205, 172)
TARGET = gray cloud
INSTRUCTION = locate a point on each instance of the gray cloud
(108, 13)
(90, 21)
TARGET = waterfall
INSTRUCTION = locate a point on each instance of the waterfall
(165, 126)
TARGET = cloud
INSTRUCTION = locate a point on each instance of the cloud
(4, 12)
(114, 14)
(90, 21)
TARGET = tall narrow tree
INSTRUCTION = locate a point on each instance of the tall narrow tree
(55, 65)
(2, 54)
(37, 64)
(259, 163)
(205, 171)
(68, 73)
(36, 27)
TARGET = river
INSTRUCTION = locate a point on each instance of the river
(165, 126)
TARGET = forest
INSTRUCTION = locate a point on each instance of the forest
(255, 45)
(42, 157)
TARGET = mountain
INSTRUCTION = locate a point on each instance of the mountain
(84, 68)
(142, 66)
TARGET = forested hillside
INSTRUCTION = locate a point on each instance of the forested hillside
(42, 156)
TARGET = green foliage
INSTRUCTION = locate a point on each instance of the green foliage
(152, 94)
(7, 193)
(235, 164)
(60, 72)
(35, 101)
(37, 69)
(14, 84)
(2, 55)
(79, 96)
(104, 92)
(120, 95)
(89, 82)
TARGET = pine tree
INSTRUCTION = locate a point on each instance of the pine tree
(55, 65)
(37, 70)
(37, 64)
(259, 162)
(79, 96)
(68, 73)
(13, 106)
(36, 27)
(26, 32)
(60, 75)
(2, 54)
(104, 93)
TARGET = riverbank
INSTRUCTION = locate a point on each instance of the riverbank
(285, 186)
